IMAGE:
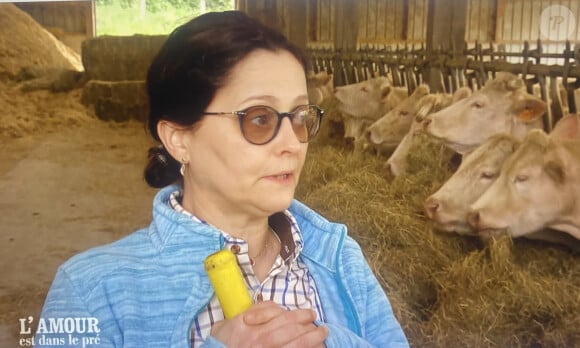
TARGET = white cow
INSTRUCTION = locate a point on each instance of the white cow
(448, 207)
(361, 104)
(389, 130)
(431, 103)
(567, 127)
(320, 87)
(538, 187)
(501, 106)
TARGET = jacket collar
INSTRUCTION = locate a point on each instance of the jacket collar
(323, 239)
(170, 229)
(173, 229)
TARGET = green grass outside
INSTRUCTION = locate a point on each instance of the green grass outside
(113, 19)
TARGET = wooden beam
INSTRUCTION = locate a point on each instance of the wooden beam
(445, 31)
(345, 34)
(298, 31)
(251, 8)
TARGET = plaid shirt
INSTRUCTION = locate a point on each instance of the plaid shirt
(288, 283)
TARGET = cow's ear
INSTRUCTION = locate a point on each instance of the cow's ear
(329, 81)
(461, 93)
(421, 91)
(385, 91)
(426, 105)
(555, 170)
(567, 127)
(529, 109)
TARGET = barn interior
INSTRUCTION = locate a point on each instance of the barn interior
(74, 147)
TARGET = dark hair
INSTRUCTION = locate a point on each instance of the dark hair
(193, 63)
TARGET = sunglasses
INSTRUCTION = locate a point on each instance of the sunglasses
(260, 124)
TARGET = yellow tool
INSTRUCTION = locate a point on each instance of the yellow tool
(226, 278)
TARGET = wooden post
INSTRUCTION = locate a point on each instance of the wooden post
(345, 37)
(269, 15)
(251, 8)
(297, 22)
(240, 5)
(90, 20)
(263, 10)
(445, 32)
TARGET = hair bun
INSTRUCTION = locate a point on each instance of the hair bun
(161, 169)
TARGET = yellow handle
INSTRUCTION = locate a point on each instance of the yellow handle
(226, 279)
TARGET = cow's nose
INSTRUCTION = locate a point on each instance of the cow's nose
(394, 168)
(426, 122)
(368, 135)
(473, 218)
(389, 168)
(431, 207)
(349, 142)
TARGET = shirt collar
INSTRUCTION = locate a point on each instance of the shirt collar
(283, 223)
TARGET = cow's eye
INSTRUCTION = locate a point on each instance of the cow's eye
(521, 178)
(477, 105)
(364, 89)
(403, 113)
(488, 175)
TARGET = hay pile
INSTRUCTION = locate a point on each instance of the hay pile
(23, 42)
(25, 45)
(446, 290)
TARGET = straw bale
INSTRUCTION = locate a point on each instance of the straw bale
(119, 58)
(116, 100)
(447, 290)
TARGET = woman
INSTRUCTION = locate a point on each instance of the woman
(229, 104)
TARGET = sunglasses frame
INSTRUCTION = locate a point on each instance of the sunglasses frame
(242, 113)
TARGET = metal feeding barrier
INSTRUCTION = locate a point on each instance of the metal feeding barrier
(409, 67)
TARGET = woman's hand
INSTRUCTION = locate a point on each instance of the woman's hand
(266, 324)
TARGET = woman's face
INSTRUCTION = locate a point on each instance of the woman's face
(226, 172)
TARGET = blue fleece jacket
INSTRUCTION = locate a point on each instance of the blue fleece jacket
(146, 288)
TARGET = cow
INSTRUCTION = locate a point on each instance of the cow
(567, 127)
(388, 131)
(361, 104)
(501, 106)
(448, 207)
(397, 162)
(320, 87)
(538, 188)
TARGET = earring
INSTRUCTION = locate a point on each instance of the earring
(182, 167)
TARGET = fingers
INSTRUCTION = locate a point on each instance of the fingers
(261, 313)
(283, 328)
(264, 312)
(298, 336)
(268, 325)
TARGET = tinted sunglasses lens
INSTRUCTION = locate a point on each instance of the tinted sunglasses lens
(306, 122)
(259, 125)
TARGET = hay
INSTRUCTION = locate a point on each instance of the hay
(117, 100)
(332, 127)
(120, 58)
(23, 42)
(447, 290)
(33, 61)
(56, 80)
